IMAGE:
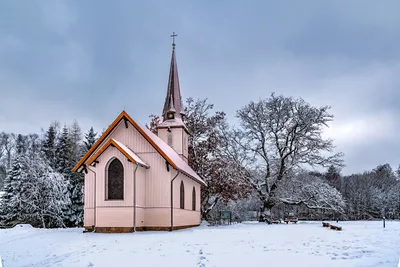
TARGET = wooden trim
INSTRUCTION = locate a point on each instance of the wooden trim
(121, 116)
(109, 143)
(138, 228)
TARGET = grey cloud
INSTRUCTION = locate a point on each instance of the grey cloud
(90, 59)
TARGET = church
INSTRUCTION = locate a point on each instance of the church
(136, 180)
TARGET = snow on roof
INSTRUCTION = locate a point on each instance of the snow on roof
(132, 154)
(172, 122)
(173, 155)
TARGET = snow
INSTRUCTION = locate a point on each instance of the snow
(132, 154)
(171, 153)
(360, 243)
(173, 122)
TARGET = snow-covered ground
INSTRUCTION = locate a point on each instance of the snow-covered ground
(248, 244)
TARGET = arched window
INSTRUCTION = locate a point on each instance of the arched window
(115, 181)
(194, 199)
(182, 195)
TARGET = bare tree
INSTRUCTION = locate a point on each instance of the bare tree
(283, 134)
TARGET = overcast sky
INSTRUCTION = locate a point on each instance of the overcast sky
(88, 60)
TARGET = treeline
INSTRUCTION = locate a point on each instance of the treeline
(370, 195)
(36, 179)
(259, 167)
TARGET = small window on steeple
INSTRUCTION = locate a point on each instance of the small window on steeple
(169, 138)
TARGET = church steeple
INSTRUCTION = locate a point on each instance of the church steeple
(172, 128)
(173, 89)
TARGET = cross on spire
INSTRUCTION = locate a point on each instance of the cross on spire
(173, 38)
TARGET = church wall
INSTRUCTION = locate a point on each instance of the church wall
(186, 216)
(157, 182)
(179, 140)
(141, 186)
(89, 190)
(140, 216)
(118, 213)
(88, 216)
(131, 138)
(104, 159)
(158, 217)
(88, 212)
(114, 217)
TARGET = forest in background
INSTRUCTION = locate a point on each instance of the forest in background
(264, 165)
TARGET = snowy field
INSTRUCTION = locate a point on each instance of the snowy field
(245, 245)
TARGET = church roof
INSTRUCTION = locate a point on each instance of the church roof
(168, 153)
(128, 153)
(173, 97)
(179, 162)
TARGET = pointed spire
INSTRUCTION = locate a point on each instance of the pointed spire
(173, 90)
(171, 107)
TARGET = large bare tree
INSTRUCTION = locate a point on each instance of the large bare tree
(281, 135)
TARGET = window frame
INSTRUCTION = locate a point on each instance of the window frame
(107, 177)
(182, 195)
(194, 198)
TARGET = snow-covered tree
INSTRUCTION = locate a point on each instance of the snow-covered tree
(224, 176)
(283, 134)
(10, 207)
(34, 193)
(90, 139)
(75, 136)
(64, 164)
(49, 144)
(311, 191)
(44, 204)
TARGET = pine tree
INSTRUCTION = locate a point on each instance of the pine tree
(21, 144)
(91, 138)
(10, 205)
(49, 145)
(75, 134)
(65, 163)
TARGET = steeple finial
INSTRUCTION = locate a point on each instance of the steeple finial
(173, 39)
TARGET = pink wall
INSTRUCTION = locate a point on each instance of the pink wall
(114, 217)
(152, 188)
(186, 216)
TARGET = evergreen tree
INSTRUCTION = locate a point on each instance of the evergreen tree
(49, 145)
(65, 162)
(90, 139)
(21, 144)
(10, 205)
(75, 133)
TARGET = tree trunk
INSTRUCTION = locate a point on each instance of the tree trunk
(43, 222)
(210, 207)
(266, 206)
